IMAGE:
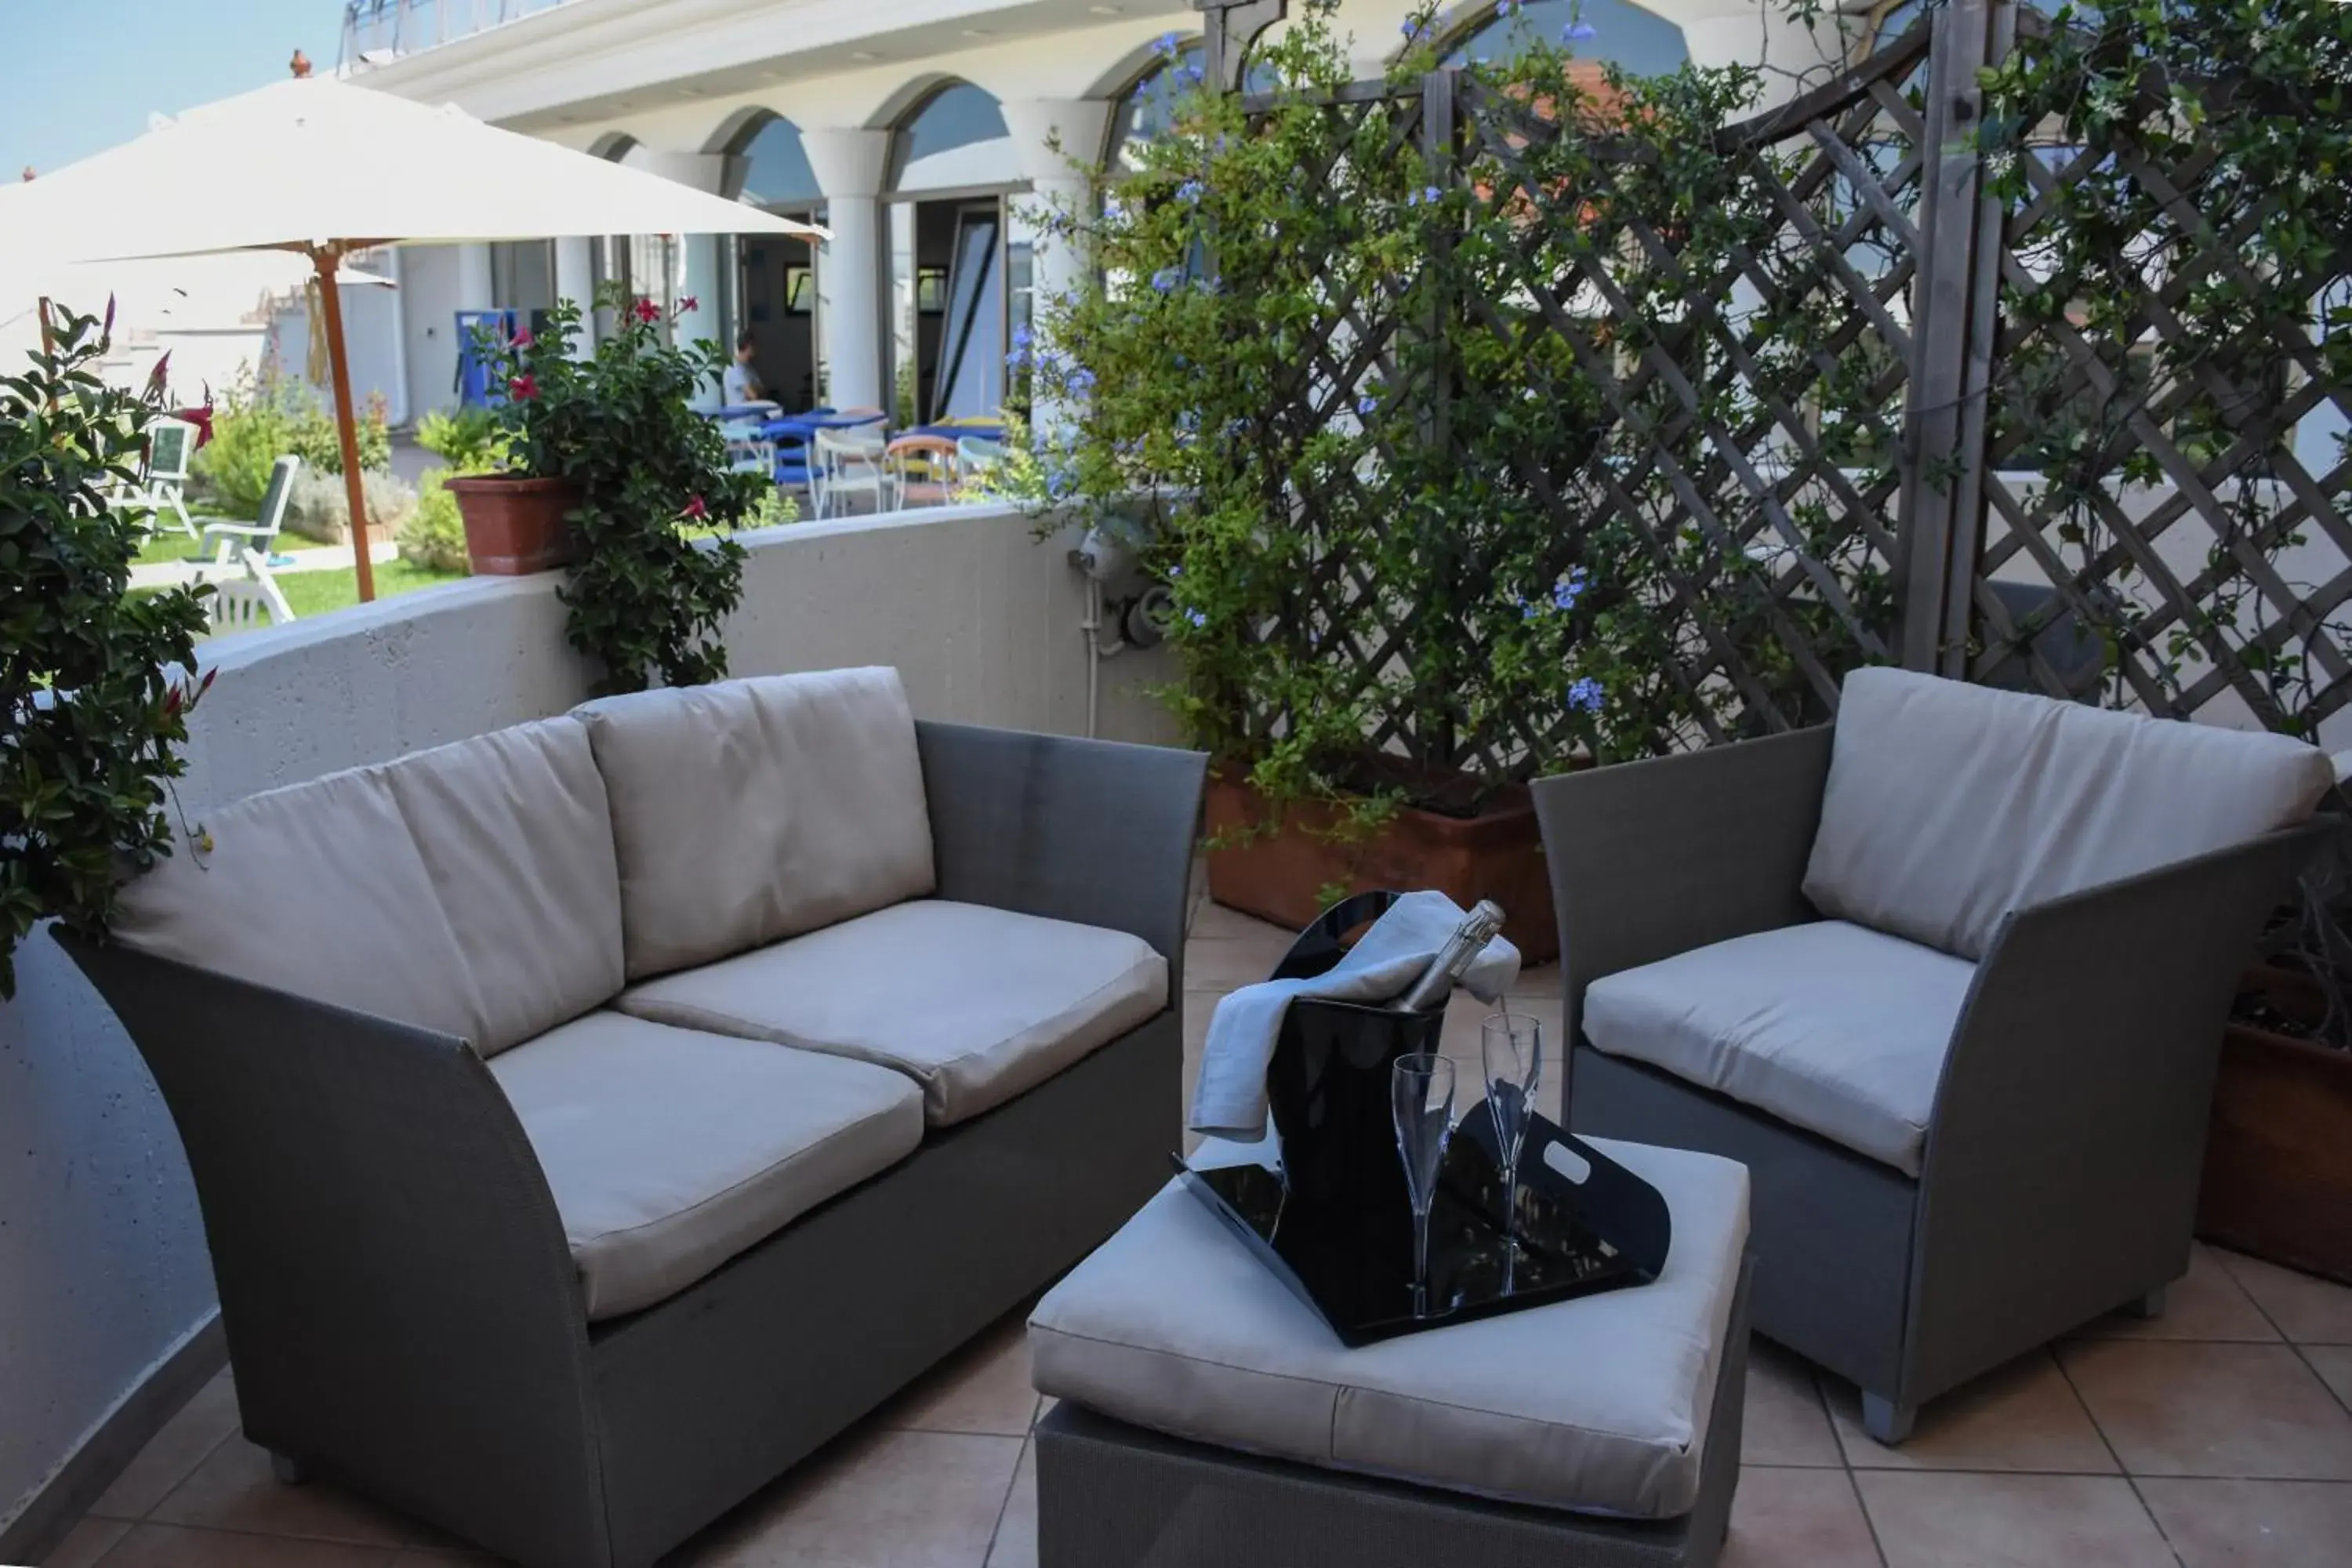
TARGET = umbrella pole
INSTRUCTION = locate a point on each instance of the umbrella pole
(330, 305)
(48, 335)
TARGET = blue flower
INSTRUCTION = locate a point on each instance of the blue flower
(1023, 337)
(1081, 383)
(1168, 46)
(1191, 73)
(1411, 29)
(1577, 32)
(1529, 610)
(1587, 694)
(1166, 280)
(1429, 195)
(1506, 7)
(1191, 191)
(1569, 589)
(1197, 617)
(1368, 407)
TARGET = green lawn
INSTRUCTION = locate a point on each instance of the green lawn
(173, 545)
(316, 593)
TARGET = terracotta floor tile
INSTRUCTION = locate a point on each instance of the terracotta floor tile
(985, 1387)
(877, 1498)
(1785, 1423)
(2334, 1364)
(2308, 1310)
(1212, 921)
(87, 1542)
(2255, 1524)
(1220, 964)
(179, 1446)
(1016, 1531)
(1930, 1520)
(2245, 1411)
(2207, 1303)
(172, 1546)
(1798, 1519)
(235, 1491)
(2022, 1416)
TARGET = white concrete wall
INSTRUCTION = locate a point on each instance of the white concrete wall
(102, 1263)
(429, 302)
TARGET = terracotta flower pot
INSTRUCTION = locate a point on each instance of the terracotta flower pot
(2278, 1153)
(515, 526)
(1279, 875)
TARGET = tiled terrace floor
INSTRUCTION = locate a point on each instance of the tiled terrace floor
(2219, 1435)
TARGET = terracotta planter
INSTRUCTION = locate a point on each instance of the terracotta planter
(1278, 876)
(2278, 1153)
(514, 527)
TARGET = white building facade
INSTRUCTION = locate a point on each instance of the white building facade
(922, 134)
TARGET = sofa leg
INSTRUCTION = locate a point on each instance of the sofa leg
(289, 1470)
(1887, 1423)
(2148, 1305)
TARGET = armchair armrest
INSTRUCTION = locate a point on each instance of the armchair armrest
(1094, 832)
(2069, 1129)
(399, 1299)
(1652, 858)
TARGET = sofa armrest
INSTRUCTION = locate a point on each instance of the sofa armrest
(2064, 1157)
(1093, 832)
(1652, 858)
(400, 1302)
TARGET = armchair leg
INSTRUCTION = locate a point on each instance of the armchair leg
(1887, 1423)
(289, 1470)
(2150, 1306)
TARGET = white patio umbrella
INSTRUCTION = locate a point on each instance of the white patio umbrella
(321, 168)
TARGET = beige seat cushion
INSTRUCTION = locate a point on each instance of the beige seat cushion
(754, 810)
(974, 1004)
(670, 1152)
(1951, 805)
(1598, 1403)
(1836, 1029)
(470, 889)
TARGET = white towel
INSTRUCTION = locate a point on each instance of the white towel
(1229, 1101)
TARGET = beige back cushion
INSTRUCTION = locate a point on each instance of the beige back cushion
(754, 810)
(1951, 805)
(471, 888)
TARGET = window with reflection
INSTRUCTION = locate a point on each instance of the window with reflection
(1615, 30)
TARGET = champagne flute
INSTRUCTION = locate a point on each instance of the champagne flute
(1422, 1095)
(1511, 1047)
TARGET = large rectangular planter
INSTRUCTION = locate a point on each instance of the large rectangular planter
(2278, 1155)
(1279, 875)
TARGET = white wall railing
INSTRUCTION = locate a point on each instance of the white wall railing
(378, 30)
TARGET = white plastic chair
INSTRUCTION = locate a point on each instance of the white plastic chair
(241, 604)
(750, 450)
(847, 465)
(170, 448)
(224, 547)
(976, 458)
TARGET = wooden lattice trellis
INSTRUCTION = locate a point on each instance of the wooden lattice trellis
(1838, 416)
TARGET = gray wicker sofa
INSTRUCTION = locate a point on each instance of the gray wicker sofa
(592, 1118)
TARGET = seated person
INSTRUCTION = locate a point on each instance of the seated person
(740, 383)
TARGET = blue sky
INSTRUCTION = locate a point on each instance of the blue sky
(78, 75)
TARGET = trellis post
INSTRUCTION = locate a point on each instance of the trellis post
(1954, 327)
(1229, 27)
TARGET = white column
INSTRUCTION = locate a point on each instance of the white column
(575, 279)
(849, 166)
(700, 285)
(720, 174)
(1059, 142)
(475, 288)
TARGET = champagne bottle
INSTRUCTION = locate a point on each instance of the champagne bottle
(1436, 982)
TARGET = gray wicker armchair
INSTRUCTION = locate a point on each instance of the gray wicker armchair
(1972, 1099)
(407, 1282)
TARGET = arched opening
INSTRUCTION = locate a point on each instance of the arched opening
(774, 290)
(958, 273)
(1600, 31)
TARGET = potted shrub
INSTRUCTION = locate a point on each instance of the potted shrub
(605, 466)
(1390, 503)
(95, 688)
(2278, 1152)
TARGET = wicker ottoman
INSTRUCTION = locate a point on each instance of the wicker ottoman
(1209, 1418)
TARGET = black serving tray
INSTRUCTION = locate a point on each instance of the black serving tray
(1586, 1225)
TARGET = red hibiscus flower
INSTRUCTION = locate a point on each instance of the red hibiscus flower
(695, 511)
(522, 338)
(525, 387)
(648, 312)
(689, 304)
